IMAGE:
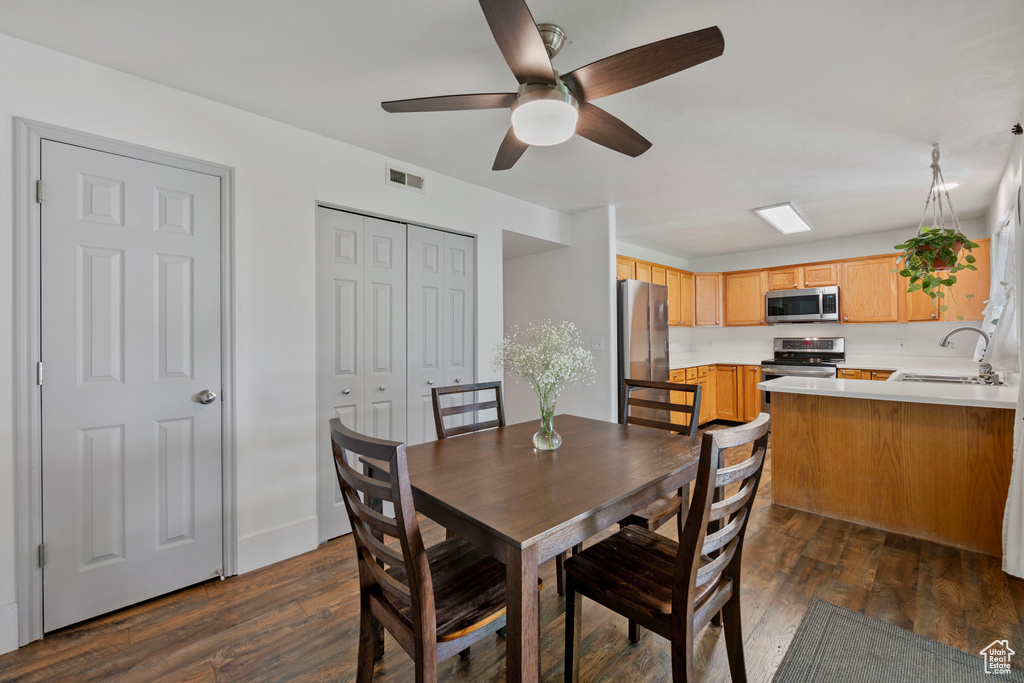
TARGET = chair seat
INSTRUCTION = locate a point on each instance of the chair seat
(655, 514)
(634, 567)
(469, 588)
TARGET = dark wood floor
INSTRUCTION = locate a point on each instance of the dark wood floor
(298, 620)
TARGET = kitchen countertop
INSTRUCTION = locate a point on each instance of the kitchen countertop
(905, 392)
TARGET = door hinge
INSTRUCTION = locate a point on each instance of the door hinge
(42, 555)
(39, 191)
(39, 373)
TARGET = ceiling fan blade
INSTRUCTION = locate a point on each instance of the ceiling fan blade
(451, 103)
(644, 64)
(520, 43)
(509, 152)
(599, 126)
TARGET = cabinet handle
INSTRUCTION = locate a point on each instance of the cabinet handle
(762, 322)
(845, 319)
(795, 285)
(806, 284)
(933, 315)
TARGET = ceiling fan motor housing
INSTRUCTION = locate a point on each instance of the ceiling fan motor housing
(544, 114)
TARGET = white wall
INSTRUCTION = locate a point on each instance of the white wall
(576, 284)
(827, 250)
(281, 172)
(645, 254)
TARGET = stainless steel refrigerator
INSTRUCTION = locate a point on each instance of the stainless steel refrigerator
(643, 341)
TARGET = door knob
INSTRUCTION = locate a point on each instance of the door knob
(206, 397)
(430, 381)
(347, 392)
(458, 381)
(382, 387)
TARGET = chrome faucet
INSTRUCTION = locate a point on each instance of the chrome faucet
(984, 368)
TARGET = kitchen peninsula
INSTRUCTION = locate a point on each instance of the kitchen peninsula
(926, 459)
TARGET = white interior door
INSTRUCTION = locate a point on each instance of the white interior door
(130, 303)
(426, 329)
(361, 336)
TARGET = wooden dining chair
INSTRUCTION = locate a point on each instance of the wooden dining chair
(674, 589)
(474, 408)
(435, 601)
(687, 407)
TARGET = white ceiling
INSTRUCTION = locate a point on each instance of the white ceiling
(831, 105)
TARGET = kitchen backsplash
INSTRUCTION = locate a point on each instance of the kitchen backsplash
(919, 339)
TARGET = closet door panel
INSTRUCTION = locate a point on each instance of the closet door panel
(426, 329)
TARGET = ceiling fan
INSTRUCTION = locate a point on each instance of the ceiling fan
(549, 108)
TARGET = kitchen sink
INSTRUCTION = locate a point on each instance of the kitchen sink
(944, 379)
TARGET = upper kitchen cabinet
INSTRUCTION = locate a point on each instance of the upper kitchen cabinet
(675, 309)
(685, 298)
(658, 275)
(869, 290)
(789, 277)
(643, 271)
(800, 277)
(708, 298)
(820, 275)
(625, 268)
(744, 297)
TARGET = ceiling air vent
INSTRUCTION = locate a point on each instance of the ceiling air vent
(405, 180)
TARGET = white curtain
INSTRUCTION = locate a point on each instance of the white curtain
(1013, 515)
(1000, 315)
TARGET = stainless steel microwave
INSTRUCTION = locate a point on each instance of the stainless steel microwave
(814, 305)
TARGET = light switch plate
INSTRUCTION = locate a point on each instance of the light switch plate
(597, 343)
(901, 345)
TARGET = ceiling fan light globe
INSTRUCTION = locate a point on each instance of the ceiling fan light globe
(544, 115)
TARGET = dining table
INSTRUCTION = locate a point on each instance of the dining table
(524, 506)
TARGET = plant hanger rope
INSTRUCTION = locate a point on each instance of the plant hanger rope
(938, 217)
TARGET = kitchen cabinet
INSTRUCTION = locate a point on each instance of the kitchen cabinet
(790, 277)
(820, 275)
(708, 403)
(685, 398)
(751, 395)
(728, 393)
(861, 373)
(625, 268)
(685, 298)
(643, 271)
(869, 290)
(675, 310)
(707, 298)
(658, 275)
(744, 297)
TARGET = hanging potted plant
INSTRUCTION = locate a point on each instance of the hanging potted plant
(931, 259)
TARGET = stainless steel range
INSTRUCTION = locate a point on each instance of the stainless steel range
(802, 357)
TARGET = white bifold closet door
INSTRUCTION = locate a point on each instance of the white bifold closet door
(361, 341)
(442, 323)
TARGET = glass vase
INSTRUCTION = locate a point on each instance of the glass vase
(546, 438)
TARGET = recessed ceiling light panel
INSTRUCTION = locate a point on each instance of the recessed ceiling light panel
(784, 217)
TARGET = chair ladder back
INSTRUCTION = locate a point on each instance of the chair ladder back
(408, 583)
(473, 408)
(711, 545)
(690, 405)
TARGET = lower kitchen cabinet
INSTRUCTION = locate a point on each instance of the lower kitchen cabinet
(752, 398)
(860, 373)
(727, 392)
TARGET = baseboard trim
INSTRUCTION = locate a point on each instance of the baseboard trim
(8, 627)
(267, 547)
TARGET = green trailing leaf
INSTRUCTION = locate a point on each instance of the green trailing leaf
(970, 258)
(995, 321)
(943, 308)
(969, 297)
(914, 287)
(959, 317)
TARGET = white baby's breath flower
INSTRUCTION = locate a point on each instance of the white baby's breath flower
(548, 356)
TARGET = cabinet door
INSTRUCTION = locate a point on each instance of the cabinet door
(849, 373)
(751, 394)
(785, 278)
(625, 268)
(876, 375)
(691, 375)
(919, 306)
(708, 400)
(643, 271)
(685, 298)
(869, 290)
(744, 298)
(727, 392)
(820, 275)
(708, 298)
(674, 308)
(658, 275)
(976, 282)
